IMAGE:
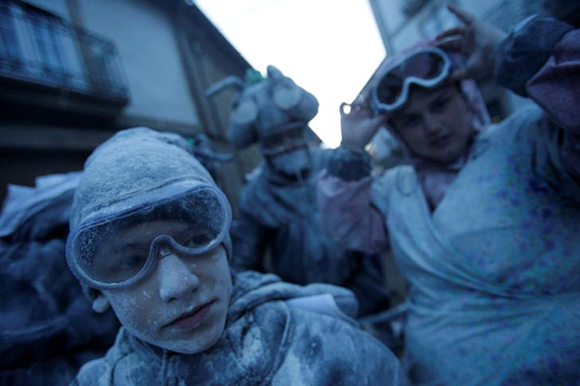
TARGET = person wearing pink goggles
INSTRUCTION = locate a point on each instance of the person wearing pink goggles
(483, 220)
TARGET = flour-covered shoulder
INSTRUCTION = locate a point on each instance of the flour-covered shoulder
(326, 350)
(101, 371)
(530, 138)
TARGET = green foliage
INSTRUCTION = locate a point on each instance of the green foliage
(252, 77)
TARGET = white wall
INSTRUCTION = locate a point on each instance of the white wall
(391, 12)
(432, 17)
(502, 13)
(149, 54)
(58, 7)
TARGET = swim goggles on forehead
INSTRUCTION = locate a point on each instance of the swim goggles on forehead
(426, 68)
(120, 249)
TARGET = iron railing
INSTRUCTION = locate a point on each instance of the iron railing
(41, 48)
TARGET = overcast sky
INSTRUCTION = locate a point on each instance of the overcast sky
(329, 47)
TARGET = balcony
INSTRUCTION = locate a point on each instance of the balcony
(45, 60)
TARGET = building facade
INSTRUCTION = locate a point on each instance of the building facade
(73, 72)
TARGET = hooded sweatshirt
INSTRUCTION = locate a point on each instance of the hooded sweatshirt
(280, 213)
(48, 330)
(266, 341)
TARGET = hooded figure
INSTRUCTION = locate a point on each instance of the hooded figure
(484, 222)
(149, 238)
(279, 216)
(48, 331)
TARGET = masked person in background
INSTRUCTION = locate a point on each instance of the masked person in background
(150, 238)
(48, 331)
(278, 210)
(484, 222)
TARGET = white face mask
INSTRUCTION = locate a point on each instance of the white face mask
(291, 163)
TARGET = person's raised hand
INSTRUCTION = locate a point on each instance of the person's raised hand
(358, 123)
(476, 40)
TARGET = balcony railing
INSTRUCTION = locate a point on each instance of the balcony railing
(39, 48)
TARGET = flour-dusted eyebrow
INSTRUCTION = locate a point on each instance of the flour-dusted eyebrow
(440, 99)
(407, 120)
(444, 92)
(406, 117)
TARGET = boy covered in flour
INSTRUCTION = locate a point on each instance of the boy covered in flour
(150, 238)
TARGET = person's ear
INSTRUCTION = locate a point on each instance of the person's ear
(101, 303)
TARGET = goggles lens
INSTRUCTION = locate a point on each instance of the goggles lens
(426, 68)
(120, 249)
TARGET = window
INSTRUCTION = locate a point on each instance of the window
(39, 47)
(9, 48)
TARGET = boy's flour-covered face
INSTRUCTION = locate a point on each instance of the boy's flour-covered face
(182, 304)
(150, 237)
